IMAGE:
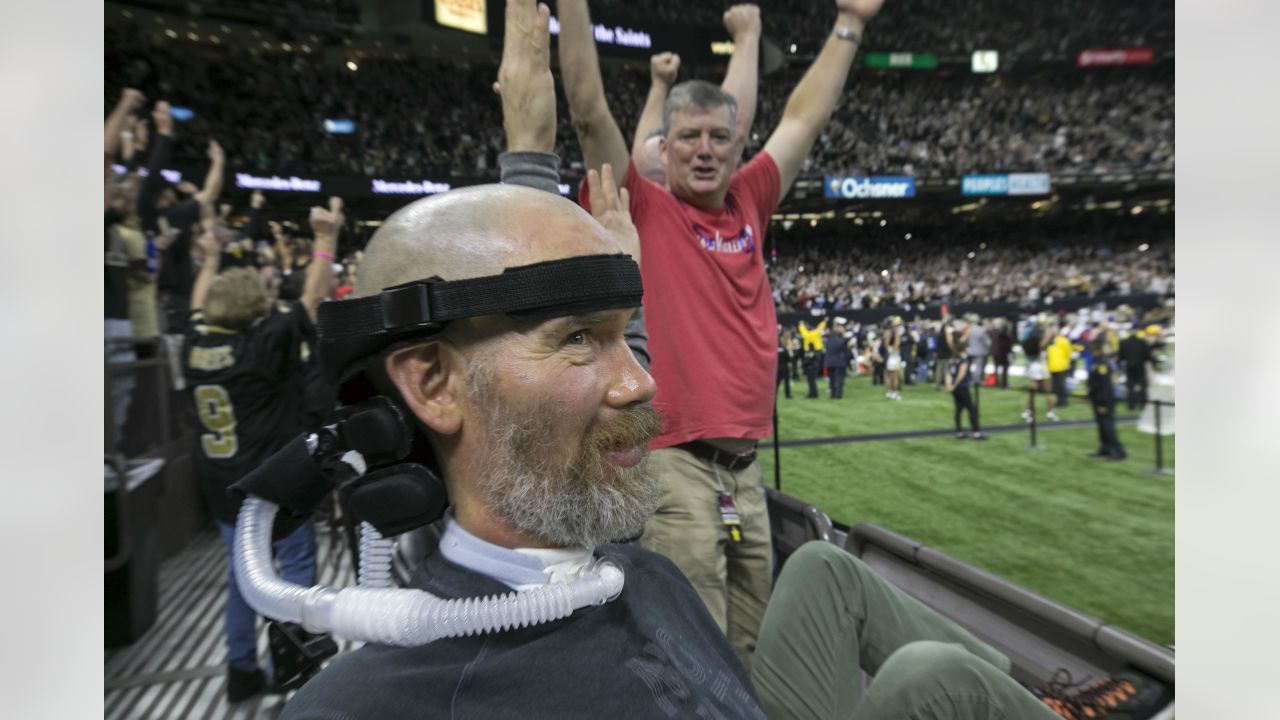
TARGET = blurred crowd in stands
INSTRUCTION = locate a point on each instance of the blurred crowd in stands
(929, 126)
(1026, 263)
(941, 26)
(889, 123)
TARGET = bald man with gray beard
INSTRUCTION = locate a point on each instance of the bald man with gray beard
(539, 427)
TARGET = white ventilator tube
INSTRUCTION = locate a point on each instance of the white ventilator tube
(398, 616)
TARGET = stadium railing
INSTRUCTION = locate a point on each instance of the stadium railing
(151, 502)
(793, 523)
(1039, 635)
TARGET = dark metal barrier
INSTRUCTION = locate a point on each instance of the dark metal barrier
(151, 505)
(792, 523)
(1037, 634)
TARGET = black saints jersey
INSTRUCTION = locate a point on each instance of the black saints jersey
(249, 393)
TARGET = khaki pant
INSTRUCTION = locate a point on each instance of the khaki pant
(732, 578)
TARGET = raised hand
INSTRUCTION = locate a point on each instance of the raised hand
(664, 67)
(327, 222)
(864, 10)
(524, 78)
(611, 207)
(257, 200)
(132, 99)
(216, 153)
(742, 19)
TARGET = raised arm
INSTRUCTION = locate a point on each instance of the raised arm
(210, 248)
(598, 132)
(815, 96)
(326, 224)
(159, 156)
(213, 179)
(118, 120)
(742, 79)
(663, 69)
(525, 83)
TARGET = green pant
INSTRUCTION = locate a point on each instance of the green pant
(732, 578)
(831, 615)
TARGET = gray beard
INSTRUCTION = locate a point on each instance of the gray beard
(578, 500)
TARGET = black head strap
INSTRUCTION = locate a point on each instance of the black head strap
(352, 330)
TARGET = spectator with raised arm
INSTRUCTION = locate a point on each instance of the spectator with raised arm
(740, 80)
(244, 361)
(117, 264)
(160, 210)
(710, 312)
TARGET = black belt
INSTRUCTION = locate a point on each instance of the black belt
(723, 458)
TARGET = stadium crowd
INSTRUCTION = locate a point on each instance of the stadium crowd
(887, 124)
(936, 26)
(893, 124)
(969, 264)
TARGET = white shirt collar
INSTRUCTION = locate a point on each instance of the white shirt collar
(519, 569)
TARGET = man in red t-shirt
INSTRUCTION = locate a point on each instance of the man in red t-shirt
(709, 311)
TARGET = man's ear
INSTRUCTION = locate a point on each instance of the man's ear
(421, 373)
(662, 150)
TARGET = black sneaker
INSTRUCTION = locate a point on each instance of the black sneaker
(1100, 453)
(244, 684)
(1128, 695)
(1117, 456)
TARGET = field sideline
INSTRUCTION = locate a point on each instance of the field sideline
(1092, 534)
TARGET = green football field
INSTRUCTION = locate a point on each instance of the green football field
(1092, 534)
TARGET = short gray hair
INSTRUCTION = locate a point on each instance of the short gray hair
(697, 94)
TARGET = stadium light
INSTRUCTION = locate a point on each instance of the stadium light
(171, 33)
(351, 65)
(1136, 210)
(884, 273)
(907, 236)
(883, 223)
(793, 48)
(813, 223)
(972, 255)
(1144, 247)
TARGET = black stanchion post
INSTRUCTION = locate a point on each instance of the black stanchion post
(1160, 468)
(1033, 445)
(977, 385)
(777, 456)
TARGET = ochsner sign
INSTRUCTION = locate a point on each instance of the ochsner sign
(861, 188)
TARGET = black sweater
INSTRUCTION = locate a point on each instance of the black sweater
(652, 652)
